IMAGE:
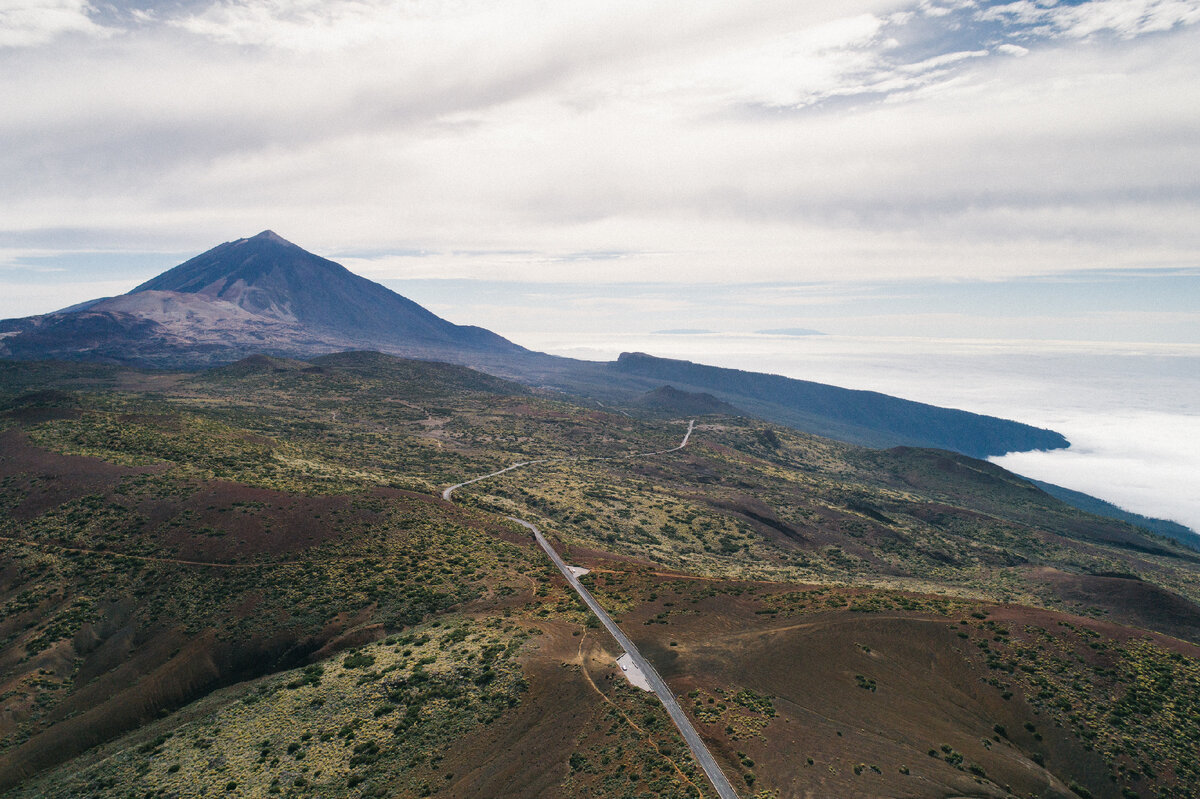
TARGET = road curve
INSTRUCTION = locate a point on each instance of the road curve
(446, 492)
(699, 751)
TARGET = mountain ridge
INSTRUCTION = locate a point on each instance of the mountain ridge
(265, 295)
(865, 417)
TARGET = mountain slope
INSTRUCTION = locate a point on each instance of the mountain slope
(259, 294)
(1099, 507)
(859, 417)
(670, 400)
(244, 582)
(269, 276)
(265, 295)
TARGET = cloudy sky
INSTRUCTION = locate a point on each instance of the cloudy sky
(795, 156)
(904, 175)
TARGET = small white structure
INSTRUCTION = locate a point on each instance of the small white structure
(579, 571)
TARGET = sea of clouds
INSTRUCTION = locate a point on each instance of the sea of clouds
(1131, 411)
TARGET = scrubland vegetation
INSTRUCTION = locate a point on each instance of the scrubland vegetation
(364, 723)
(244, 582)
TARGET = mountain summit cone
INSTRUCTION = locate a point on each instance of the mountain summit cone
(269, 276)
(261, 294)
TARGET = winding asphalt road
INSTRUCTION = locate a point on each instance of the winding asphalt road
(699, 751)
(447, 492)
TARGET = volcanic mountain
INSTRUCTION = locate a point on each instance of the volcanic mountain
(265, 295)
(260, 294)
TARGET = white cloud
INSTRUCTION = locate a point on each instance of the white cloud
(943, 60)
(18, 298)
(27, 23)
(794, 68)
(732, 142)
(1012, 49)
(1144, 462)
(338, 25)
(1123, 18)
